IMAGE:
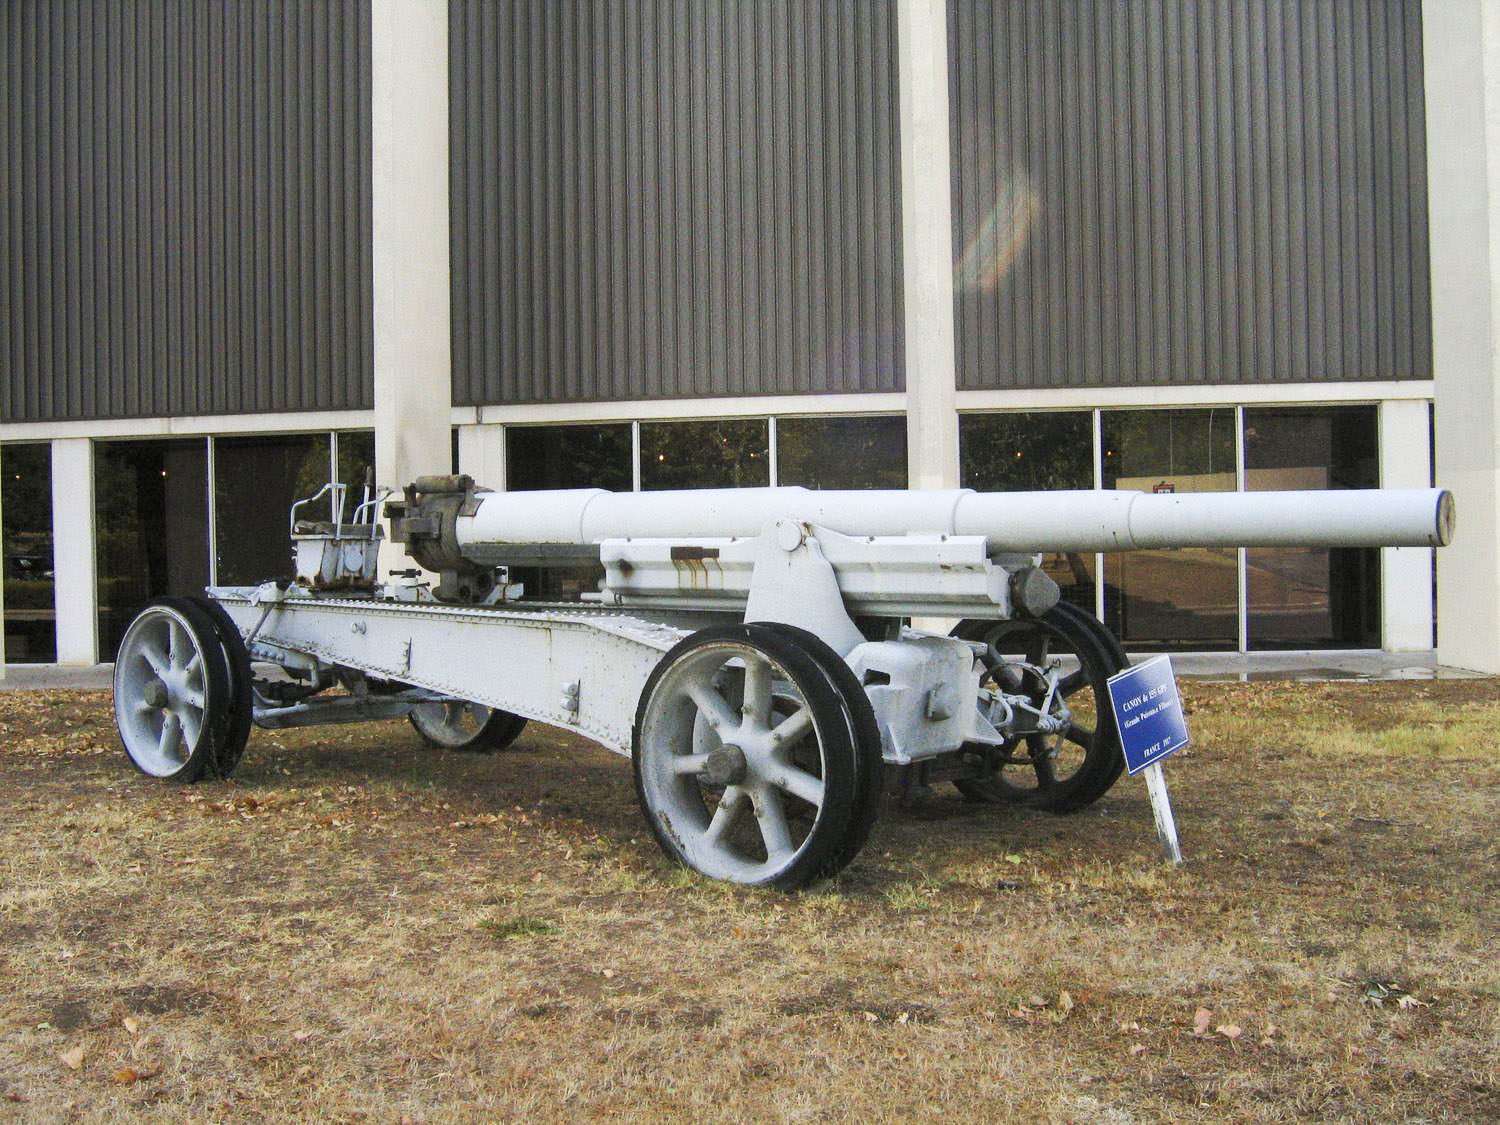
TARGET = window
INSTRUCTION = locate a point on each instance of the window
(1310, 597)
(1185, 596)
(26, 505)
(1034, 452)
(356, 463)
(724, 453)
(841, 452)
(256, 479)
(150, 521)
(568, 457)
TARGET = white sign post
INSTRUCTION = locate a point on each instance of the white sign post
(1148, 715)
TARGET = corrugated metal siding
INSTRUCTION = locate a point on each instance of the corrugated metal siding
(186, 207)
(672, 198)
(1165, 191)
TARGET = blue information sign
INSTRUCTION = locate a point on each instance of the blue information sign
(1148, 712)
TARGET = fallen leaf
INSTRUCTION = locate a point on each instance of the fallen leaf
(301, 1036)
(1408, 1001)
(870, 1017)
(16, 1096)
(72, 1059)
(1128, 1027)
(1012, 858)
(608, 973)
(1230, 1030)
(1201, 1019)
(1064, 1002)
(131, 1025)
(902, 1018)
(129, 1074)
(1137, 1048)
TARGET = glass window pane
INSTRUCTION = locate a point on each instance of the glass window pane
(567, 457)
(1312, 597)
(256, 481)
(151, 523)
(356, 464)
(724, 453)
(1186, 597)
(26, 505)
(842, 452)
(1034, 452)
(1026, 452)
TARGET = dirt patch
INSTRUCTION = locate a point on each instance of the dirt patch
(357, 928)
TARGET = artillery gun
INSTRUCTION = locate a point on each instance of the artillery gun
(749, 650)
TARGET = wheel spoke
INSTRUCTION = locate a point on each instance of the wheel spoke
(160, 662)
(1036, 649)
(176, 644)
(731, 802)
(193, 699)
(757, 707)
(192, 725)
(1046, 771)
(792, 729)
(689, 763)
(799, 783)
(1079, 735)
(718, 713)
(774, 830)
(168, 743)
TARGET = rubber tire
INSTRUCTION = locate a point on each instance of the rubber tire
(869, 761)
(1104, 761)
(216, 691)
(824, 850)
(499, 731)
(241, 711)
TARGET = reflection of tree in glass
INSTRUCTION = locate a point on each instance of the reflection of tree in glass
(842, 452)
(1027, 452)
(727, 453)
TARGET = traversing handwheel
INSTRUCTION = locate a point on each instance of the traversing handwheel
(1061, 772)
(746, 762)
(171, 691)
(454, 724)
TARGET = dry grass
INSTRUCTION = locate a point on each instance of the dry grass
(358, 928)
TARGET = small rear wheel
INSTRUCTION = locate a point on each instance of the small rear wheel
(454, 724)
(171, 691)
(1066, 771)
(745, 759)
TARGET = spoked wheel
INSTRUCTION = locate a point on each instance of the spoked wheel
(454, 724)
(869, 765)
(1069, 770)
(171, 691)
(746, 764)
(241, 704)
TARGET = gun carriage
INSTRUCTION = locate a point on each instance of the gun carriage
(749, 650)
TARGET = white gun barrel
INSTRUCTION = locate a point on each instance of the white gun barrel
(1012, 521)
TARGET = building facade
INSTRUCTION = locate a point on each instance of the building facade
(658, 243)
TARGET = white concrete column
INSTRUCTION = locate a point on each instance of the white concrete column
(413, 363)
(1461, 51)
(481, 454)
(1405, 572)
(75, 576)
(927, 245)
